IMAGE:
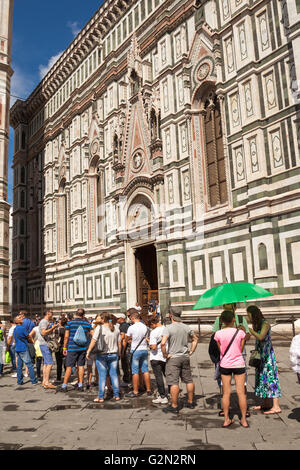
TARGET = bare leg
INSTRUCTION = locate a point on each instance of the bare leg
(67, 375)
(46, 374)
(240, 390)
(190, 388)
(275, 408)
(147, 381)
(80, 374)
(135, 383)
(226, 381)
(174, 391)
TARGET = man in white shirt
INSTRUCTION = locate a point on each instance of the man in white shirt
(157, 360)
(137, 333)
(11, 348)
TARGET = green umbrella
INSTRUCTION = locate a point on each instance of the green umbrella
(230, 293)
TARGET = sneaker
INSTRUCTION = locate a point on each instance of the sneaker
(190, 405)
(149, 394)
(14, 375)
(63, 389)
(80, 389)
(164, 401)
(170, 409)
(160, 401)
(75, 382)
(131, 395)
(124, 384)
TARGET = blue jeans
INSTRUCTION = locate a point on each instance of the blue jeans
(23, 357)
(108, 363)
(12, 353)
(139, 361)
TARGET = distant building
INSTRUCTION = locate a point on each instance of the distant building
(6, 9)
(159, 157)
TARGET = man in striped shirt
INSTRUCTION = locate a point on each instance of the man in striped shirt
(76, 353)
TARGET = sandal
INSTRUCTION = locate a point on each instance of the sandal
(271, 412)
(244, 426)
(260, 408)
(99, 400)
(227, 426)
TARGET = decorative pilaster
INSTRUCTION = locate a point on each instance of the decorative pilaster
(6, 9)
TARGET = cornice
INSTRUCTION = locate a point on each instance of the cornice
(90, 37)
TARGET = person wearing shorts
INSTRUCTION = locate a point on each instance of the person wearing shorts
(75, 354)
(178, 359)
(137, 333)
(44, 329)
(232, 363)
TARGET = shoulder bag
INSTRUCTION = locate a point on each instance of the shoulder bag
(132, 353)
(255, 359)
(99, 346)
(217, 371)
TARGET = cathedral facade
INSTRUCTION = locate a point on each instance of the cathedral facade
(159, 157)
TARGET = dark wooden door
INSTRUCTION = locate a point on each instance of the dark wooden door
(146, 274)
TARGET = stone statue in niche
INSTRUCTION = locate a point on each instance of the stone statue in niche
(134, 83)
(200, 11)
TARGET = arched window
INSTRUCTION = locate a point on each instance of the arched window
(22, 202)
(22, 227)
(100, 205)
(262, 257)
(22, 252)
(116, 281)
(62, 221)
(21, 294)
(215, 160)
(175, 270)
(23, 175)
(23, 140)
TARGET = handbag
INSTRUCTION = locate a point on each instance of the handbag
(7, 357)
(217, 374)
(100, 345)
(255, 359)
(53, 345)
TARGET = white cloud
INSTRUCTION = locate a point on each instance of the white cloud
(44, 69)
(74, 27)
(21, 85)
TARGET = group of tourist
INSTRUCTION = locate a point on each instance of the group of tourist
(111, 344)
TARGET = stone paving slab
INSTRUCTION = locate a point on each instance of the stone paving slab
(34, 418)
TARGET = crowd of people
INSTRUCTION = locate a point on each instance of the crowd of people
(115, 352)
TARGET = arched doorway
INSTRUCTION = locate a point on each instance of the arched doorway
(141, 259)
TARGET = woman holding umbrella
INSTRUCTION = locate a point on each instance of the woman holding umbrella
(266, 376)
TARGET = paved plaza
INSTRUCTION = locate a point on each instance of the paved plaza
(34, 418)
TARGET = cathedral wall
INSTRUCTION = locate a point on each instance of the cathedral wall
(105, 134)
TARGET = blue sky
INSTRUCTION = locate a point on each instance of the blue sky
(42, 29)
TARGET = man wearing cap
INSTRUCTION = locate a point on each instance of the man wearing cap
(178, 358)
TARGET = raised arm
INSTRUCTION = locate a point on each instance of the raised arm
(264, 331)
(194, 344)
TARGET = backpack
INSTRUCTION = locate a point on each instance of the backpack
(80, 337)
(213, 350)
